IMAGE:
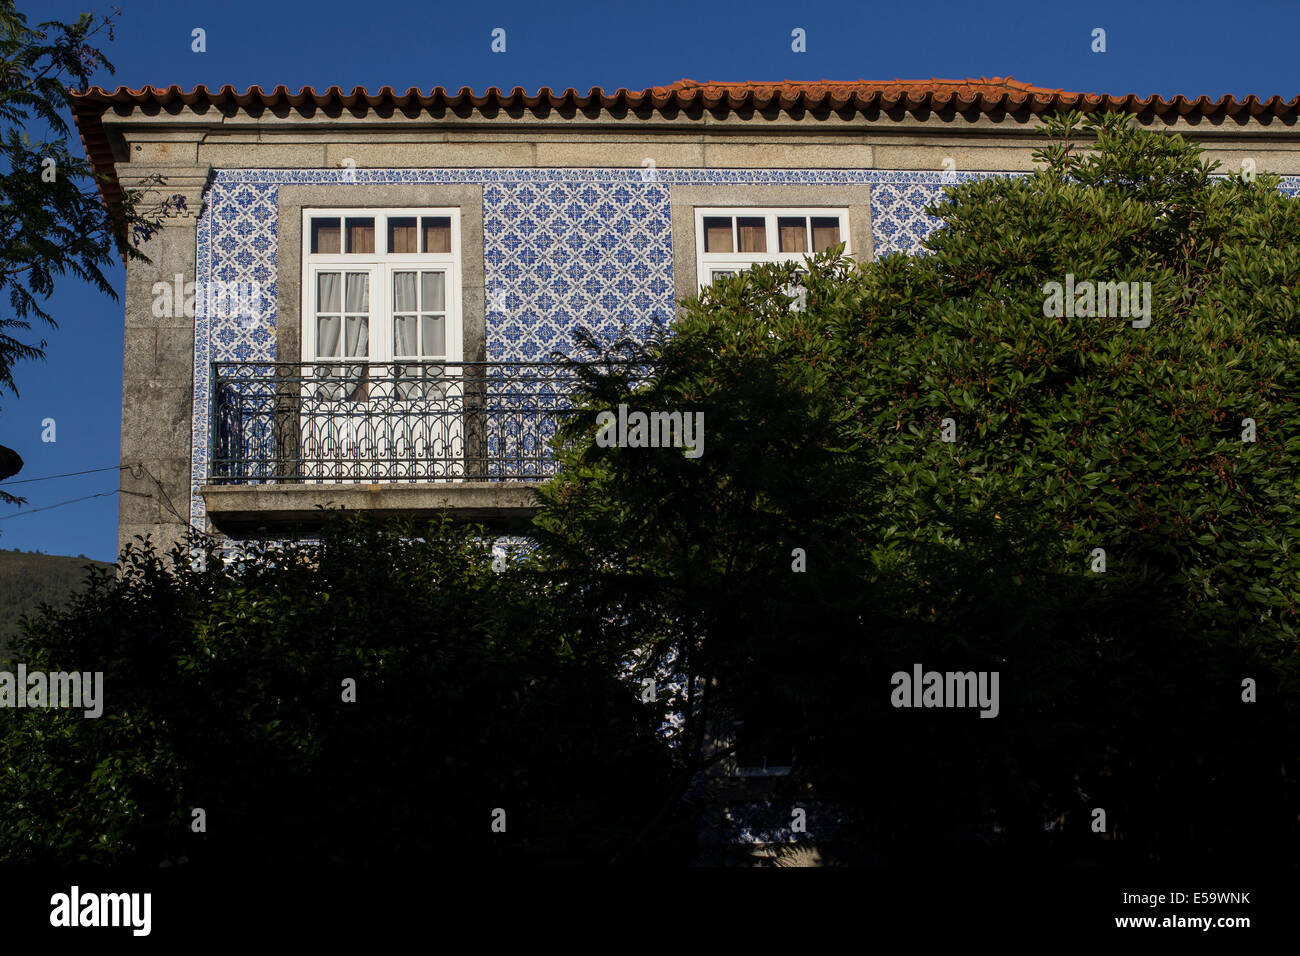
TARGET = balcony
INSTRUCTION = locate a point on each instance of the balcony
(411, 438)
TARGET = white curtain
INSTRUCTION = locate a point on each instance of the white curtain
(358, 326)
(435, 336)
(404, 292)
(358, 292)
(358, 342)
(435, 291)
(327, 292)
(404, 336)
(327, 336)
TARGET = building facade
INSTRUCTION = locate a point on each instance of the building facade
(360, 300)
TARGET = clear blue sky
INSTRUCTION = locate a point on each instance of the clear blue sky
(1154, 47)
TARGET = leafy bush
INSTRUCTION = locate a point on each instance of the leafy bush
(1120, 690)
(224, 691)
(826, 539)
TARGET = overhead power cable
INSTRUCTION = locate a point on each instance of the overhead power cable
(70, 501)
(71, 474)
(138, 470)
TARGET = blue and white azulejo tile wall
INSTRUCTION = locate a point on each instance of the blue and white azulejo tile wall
(562, 248)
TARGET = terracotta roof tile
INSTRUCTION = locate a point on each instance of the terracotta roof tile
(995, 94)
(985, 94)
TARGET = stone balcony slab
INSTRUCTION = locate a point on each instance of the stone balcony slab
(255, 510)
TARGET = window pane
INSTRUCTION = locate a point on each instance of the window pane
(401, 234)
(404, 292)
(826, 232)
(794, 233)
(404, 335)
(719, 273)
(324, 235)
(437, 233)
(435, 290)
(327, 292)
(358, 296)
(717, 234)
(327, 336)
(361, 234)
(358, 338)
(434, 329)
(753, 234)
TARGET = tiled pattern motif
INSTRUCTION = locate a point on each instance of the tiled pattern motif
(562, 248)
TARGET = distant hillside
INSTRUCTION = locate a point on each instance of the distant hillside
(27, 580)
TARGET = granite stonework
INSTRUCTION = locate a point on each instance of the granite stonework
(563, 248)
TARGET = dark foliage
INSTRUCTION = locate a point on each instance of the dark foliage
(225, 691)
(1120, 690)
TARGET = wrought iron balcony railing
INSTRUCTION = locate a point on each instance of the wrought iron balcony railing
(405, 421)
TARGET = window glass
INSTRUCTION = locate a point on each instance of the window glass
(325, 235)
(405, 344)
(434, 288)
(793, 233)
(437, 234)
(358, 292)
(752, 231)
(357, 326)
(434, 335)
(730, 244)
(394, 298)
(361, 235)
(717, 234)
(402, 236)
(357, 342)
(327, 336)
(404, 292)
(826, 232)
(327, 292)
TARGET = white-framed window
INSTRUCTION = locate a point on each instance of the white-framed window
(381, 284)
(731, 239)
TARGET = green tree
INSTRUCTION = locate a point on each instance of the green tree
(685, 564)
(1120, 689)
(225, 691)
(52, 221)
